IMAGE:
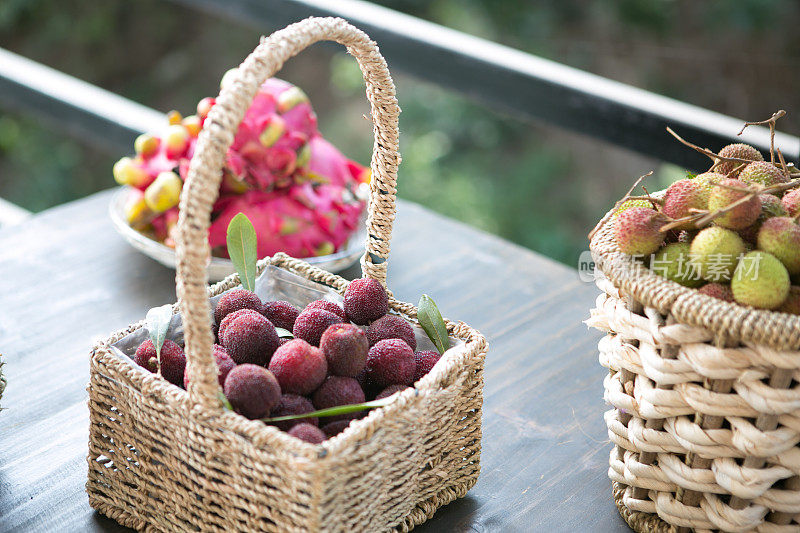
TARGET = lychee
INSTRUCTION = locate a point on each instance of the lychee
(717, 290)
(425, 359)
(791, 304)
(739, 151)
(637, 231)
(365, 300)
(345, 347)
(334, 308)
(224, 365)
(332, 429)
(763, 173)
(308, 433)
(709, 178)
(235, 300)
(683, 196)
(714, 252)
(250, 338)
(740, 216)
(391, 327)
(627, 204)
(771, 206)
(780, 236)
(299, 367)
(282, 314)
(338, 390)
(672, 262)
(173, 360)
(312, 323)
(791, 202)
(252, 390)
(760, 280)
(391, 362)
(391, 389)
(290, 405)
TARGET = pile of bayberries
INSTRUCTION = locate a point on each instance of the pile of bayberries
(334, 356)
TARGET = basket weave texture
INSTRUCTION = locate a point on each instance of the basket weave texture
(164, 459)
(706, 403)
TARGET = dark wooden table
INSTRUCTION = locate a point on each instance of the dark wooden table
(66, 278)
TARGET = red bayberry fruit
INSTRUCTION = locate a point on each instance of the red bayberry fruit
(336, 309)
(425, 360)
(391, 389)
(391, 327)
(308, 433)
(224, 365)
(365, 300)
(252, 390)
(345, 347)
(338, 390)
(250, 338)
(173, 360)
(234, 300)
(282, 314)
(292, 404)
(332, 429)
(299, 367)
(312, 323)
(391, 362)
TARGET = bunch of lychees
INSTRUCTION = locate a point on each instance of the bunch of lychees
(731, 232)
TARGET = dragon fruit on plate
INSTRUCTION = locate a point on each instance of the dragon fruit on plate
(297, 188)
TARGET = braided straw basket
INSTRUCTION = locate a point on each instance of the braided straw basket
(162, 459)
(706, 418)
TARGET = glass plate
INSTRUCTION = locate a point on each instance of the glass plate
(220, 268)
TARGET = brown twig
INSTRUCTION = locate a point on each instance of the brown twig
(706, 152)
(616, 205)
(771, 122)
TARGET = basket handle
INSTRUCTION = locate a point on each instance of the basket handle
(205, 173)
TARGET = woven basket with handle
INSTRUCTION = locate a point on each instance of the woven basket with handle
(164, 459)
(706, 397)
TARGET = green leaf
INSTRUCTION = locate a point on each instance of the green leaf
(242, 249)
(690, 175)
(333, 411)
(432, 322)
(224, 401)
(284, 333)
(157, 323)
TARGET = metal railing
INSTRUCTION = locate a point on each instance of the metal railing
(501, 77)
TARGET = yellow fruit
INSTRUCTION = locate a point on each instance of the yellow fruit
(192, 125)
(272, 131)
(146, 145)
(137, 214)
(176, 139)
(715, 252)
(173, 117)
(127, 172)
(760, 280)
(672, 262)
(164, 193)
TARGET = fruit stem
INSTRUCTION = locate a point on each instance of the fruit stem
(771, 122)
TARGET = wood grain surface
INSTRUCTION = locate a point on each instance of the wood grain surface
(66, 279)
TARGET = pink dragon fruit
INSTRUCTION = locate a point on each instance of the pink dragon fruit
(296, 188)
(302, 220)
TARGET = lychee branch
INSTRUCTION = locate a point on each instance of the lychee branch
(771, 122)
(625, 198)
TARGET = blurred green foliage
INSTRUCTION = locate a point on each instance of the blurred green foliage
(530, 183)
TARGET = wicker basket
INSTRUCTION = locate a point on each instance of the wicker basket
(706, 418)
(162, 459)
